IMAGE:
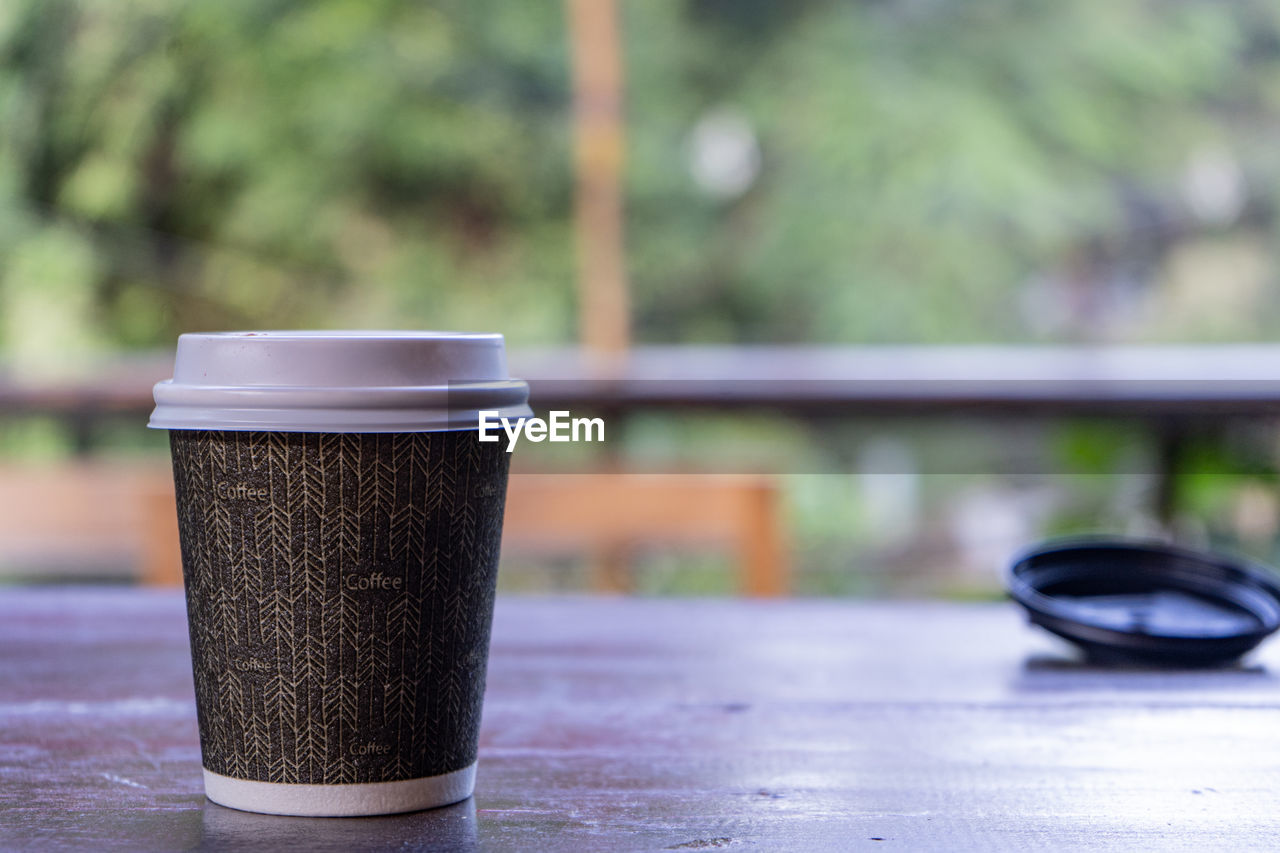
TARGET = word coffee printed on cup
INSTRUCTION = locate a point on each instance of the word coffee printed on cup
(558, 427)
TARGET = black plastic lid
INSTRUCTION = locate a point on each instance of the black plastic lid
(1143, 602)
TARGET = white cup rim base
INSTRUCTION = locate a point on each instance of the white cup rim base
(371, 798)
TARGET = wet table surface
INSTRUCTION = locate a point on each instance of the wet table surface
(678, 725)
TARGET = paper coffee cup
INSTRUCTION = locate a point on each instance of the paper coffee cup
(340, 525)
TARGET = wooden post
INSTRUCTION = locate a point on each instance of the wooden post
(762, 544)
(604, 305)
(161, 546)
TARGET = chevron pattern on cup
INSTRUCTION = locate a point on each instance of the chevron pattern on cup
(340, 592)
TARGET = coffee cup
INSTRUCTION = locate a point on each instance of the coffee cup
(340, 527)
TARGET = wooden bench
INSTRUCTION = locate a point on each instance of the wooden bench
(611, 513)
(90, 518)
(81, 517)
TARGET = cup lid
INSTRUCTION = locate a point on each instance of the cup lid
(1147, 602)
(352, 381)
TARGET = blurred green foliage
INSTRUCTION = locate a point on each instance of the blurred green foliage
(173, 166)
(923, 161)
(924, 168)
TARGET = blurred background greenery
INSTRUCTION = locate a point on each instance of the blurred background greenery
(815, 171)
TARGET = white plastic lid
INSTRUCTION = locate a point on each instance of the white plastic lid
(337, 382)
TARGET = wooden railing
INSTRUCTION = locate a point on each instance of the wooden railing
(1170, 389)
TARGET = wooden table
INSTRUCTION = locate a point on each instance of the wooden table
(678, 725)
